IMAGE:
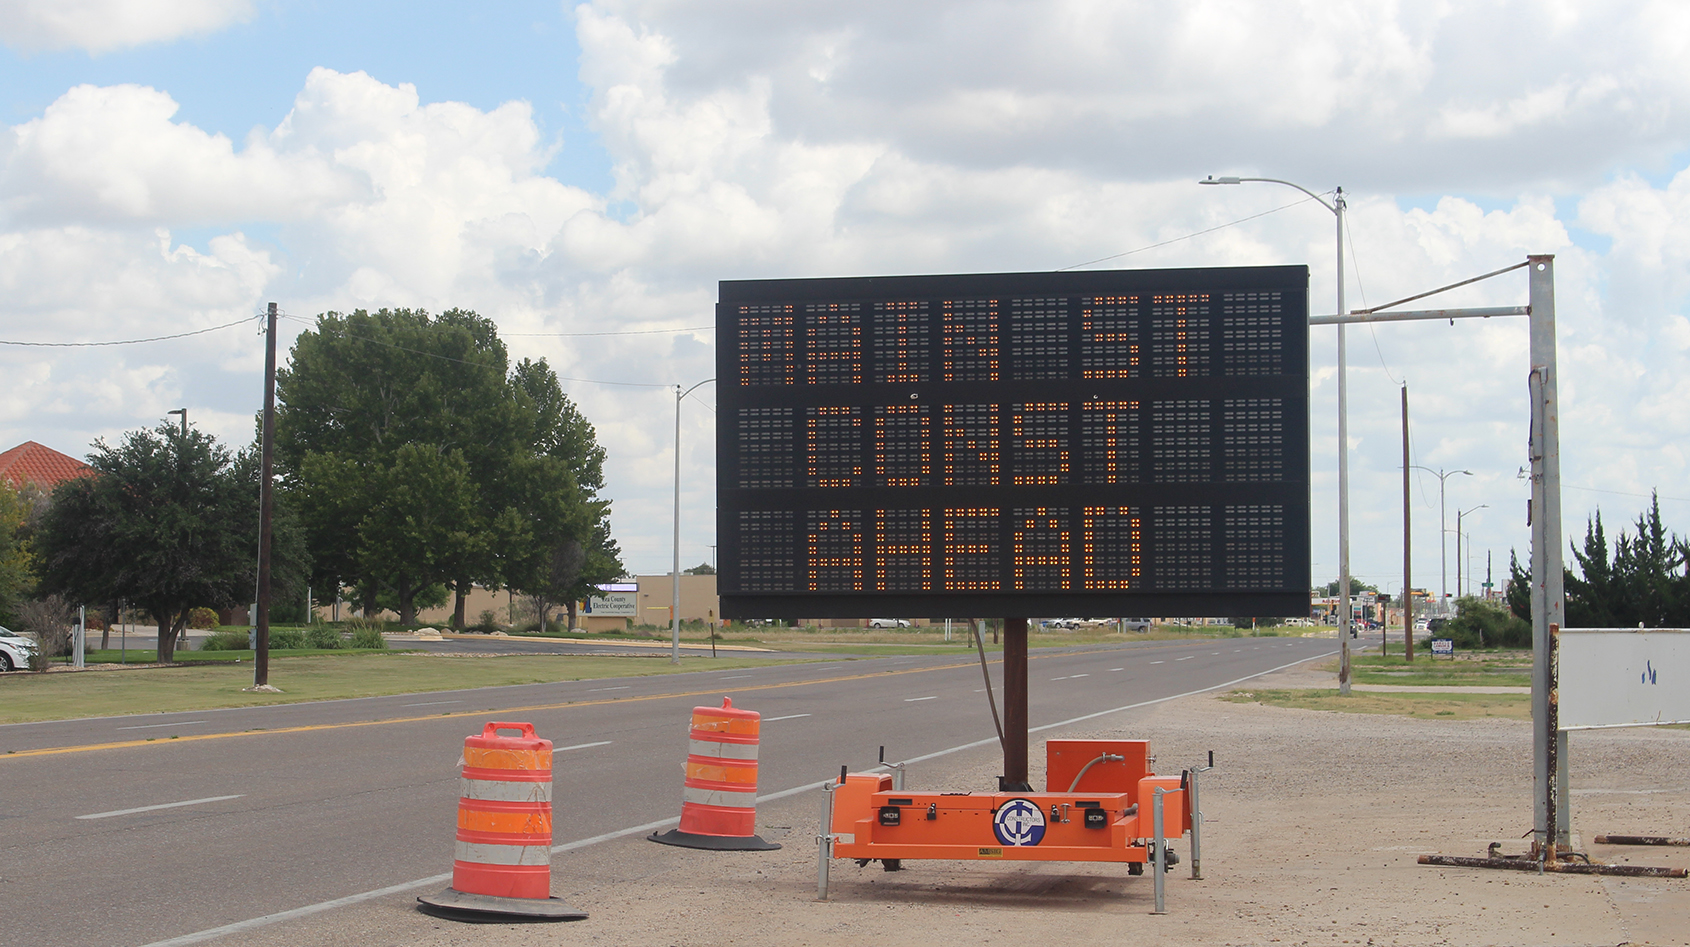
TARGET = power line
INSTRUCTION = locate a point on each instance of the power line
(579, 335)
(156, 338)
(1188, 236)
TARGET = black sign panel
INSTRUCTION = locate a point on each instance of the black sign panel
(1127, 442)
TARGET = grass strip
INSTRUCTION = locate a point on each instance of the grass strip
(1432, 706)
(1474, 669)
(109, 692)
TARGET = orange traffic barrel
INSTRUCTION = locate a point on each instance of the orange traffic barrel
(503, 863)
(719, 795)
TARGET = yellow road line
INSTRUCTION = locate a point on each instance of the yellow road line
(175, 740)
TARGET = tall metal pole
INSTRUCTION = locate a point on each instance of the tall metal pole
(1549, 762)
(1407, 544)
(266, 505)
(1337, 208)
(1343, 468)
(675, 574)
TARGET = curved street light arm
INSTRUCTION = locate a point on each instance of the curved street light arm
(1233, 180)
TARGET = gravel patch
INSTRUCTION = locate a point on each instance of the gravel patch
(1314, 824)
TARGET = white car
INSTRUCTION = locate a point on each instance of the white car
(15, 650)
(888, 623)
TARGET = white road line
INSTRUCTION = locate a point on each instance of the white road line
(1079, 675)
(1059, 678)
(1117, 669)
(619, 687)
(1186, 658)
(911, 700)
(1158, 662)
(787, 717)
(581, 746)
(154, 726)
(1214, 652)
(431, 703)
(167, 805)
(320, 907)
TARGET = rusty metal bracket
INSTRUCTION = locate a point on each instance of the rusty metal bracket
(1553, 867)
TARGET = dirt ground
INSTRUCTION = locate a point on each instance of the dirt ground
(1314, 822)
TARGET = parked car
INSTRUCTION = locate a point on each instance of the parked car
(15, 650)
(1135, 624)
(888, 623)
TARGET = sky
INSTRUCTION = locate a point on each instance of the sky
(168, 166)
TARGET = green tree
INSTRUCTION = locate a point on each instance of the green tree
(703, 568)
(417, 460)
(14, 552)
(168, 521)
(361, 391)
(558, 545)
(1643, 580)
(1357, 586)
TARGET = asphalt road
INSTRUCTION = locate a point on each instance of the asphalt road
(147, 829)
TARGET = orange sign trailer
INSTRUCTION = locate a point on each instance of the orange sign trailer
(1100, 805)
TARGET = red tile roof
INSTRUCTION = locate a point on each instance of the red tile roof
(45, 466)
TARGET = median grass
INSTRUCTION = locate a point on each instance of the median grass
(208, 685)
(1431, 706)
(1476, 668)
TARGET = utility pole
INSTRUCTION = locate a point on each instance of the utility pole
(184, 413)
(1407, 545)
(266, 505)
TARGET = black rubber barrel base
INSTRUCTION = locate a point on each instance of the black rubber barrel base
(488, 909)
(714, 843)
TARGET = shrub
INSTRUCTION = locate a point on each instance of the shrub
(368, 638)
(229, 641)
(1482, 624)
(285, 639)
(48, 621)
(202, 618)
(323, 636)
(489, 622)
(353, 624)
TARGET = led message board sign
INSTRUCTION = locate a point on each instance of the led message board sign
(1125, 442)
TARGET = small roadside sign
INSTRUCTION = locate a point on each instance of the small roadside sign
(1443, 646)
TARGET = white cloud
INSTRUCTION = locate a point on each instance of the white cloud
(100, 26)
(112, 155)
(807, 139)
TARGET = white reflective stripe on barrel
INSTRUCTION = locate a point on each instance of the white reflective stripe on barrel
(722, 751)
(479, 854)
(719, 797)
(504, 790)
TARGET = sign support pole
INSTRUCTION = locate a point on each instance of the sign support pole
(1015, 705)
(1549, 763)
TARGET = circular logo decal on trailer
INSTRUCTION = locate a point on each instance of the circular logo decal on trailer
(1019, 822)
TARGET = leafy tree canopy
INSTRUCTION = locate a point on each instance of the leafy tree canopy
(169, 521)
(1643, 577)
(1357, 586)
(420, 457)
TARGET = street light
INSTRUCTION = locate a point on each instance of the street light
(1459, 514)
(184, 413)
(675, 576)
(1337, 208)
(1443, 533)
